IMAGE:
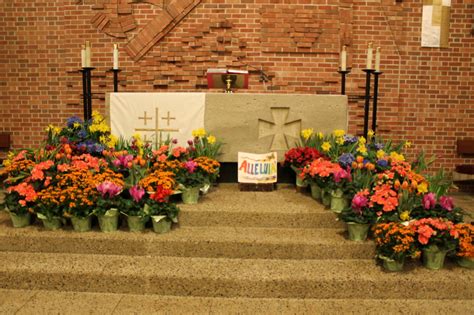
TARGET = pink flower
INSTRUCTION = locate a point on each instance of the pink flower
(341, 174)
(447, 203)
(136, 193)
(190, 166)
(429, 201)
(109, 189)
(359, 202)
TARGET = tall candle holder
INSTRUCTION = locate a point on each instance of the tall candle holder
(116, 72)
(87, 91)
(376, 94)
(343, 74)
(368, 73)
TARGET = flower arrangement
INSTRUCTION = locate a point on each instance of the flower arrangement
(434, 232)
(204, 144)
(395, 241)
(159, 207)
(359, 211)
(197, 172)
(320, 171)
(299, 157)
(465, 246)
(442, 207)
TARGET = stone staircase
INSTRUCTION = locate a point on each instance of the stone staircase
(235, 252)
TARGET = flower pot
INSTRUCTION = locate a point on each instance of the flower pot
(136, 223)
(357, 231)
(190, 195)
(81, 224)
(338, 201)
(205, 188)
(316, 192)
(433, 257)
(466, 262)
(326, 197)
(161, 226)
(300, 183)
(52, 224)
(392, 265)
(109, 221)
(20, 220)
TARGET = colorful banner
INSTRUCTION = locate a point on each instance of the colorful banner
(257, 168)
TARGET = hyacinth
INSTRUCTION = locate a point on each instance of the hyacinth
(446, 203)
(346, 159)
(109, 189)
(350, 139)
(429, 201)
(74, 121)
(137, 193)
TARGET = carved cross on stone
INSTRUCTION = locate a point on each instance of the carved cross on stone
(280, 129)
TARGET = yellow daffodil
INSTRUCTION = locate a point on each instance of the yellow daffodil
(320, 135)
(422, 187)
(407, 144)
(340, 140)
(338, 133)
(362, 149)
(199, 133)
(76, 125)
(380, 154)
(405, 216)
(396, 157)
(326, 146)
(112, 141)
(370, 134)
(211, 139)
(362, 140)
(307, 133)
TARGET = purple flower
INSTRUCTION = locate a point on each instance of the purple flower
(190, 166)
(136, 193)
(429, 201)
(382, 163)
(109, 189)
(379, 146)
(349, 139)
(359, 202)
(447, 203)
(346, 159)
(72, 120)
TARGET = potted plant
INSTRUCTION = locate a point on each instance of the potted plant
(163, 213)
(465, 245)
(133, 207)
(436, 237)
(359, 216)
(107, 204)
(442, 207)
(297, 158)
(394, 242)
(319, 174)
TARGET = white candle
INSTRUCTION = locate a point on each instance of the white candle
(343, 58)
(369, 56)
(377, 59)
(88, 54)
(83, 56)
(116, 59)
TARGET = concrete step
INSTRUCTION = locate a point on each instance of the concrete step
(219, 277)
(185, 241)
(53, 302)
(283, 208)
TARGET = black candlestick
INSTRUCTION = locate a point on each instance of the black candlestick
(343, 80)
(376, 94)
(368, 73)
(87, 91)
(116, 72)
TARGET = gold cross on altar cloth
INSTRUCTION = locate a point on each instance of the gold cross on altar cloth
(168, 118)
(145, 118)
(157, 130)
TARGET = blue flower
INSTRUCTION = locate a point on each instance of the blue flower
(349, 139)
(82, 133)
(346, 159)
(72, 120)
(382, 163)
(379, 146)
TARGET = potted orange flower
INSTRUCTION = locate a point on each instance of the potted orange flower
(394, 243)
(465, 246)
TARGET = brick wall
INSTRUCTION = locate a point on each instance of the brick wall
(167, 45)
